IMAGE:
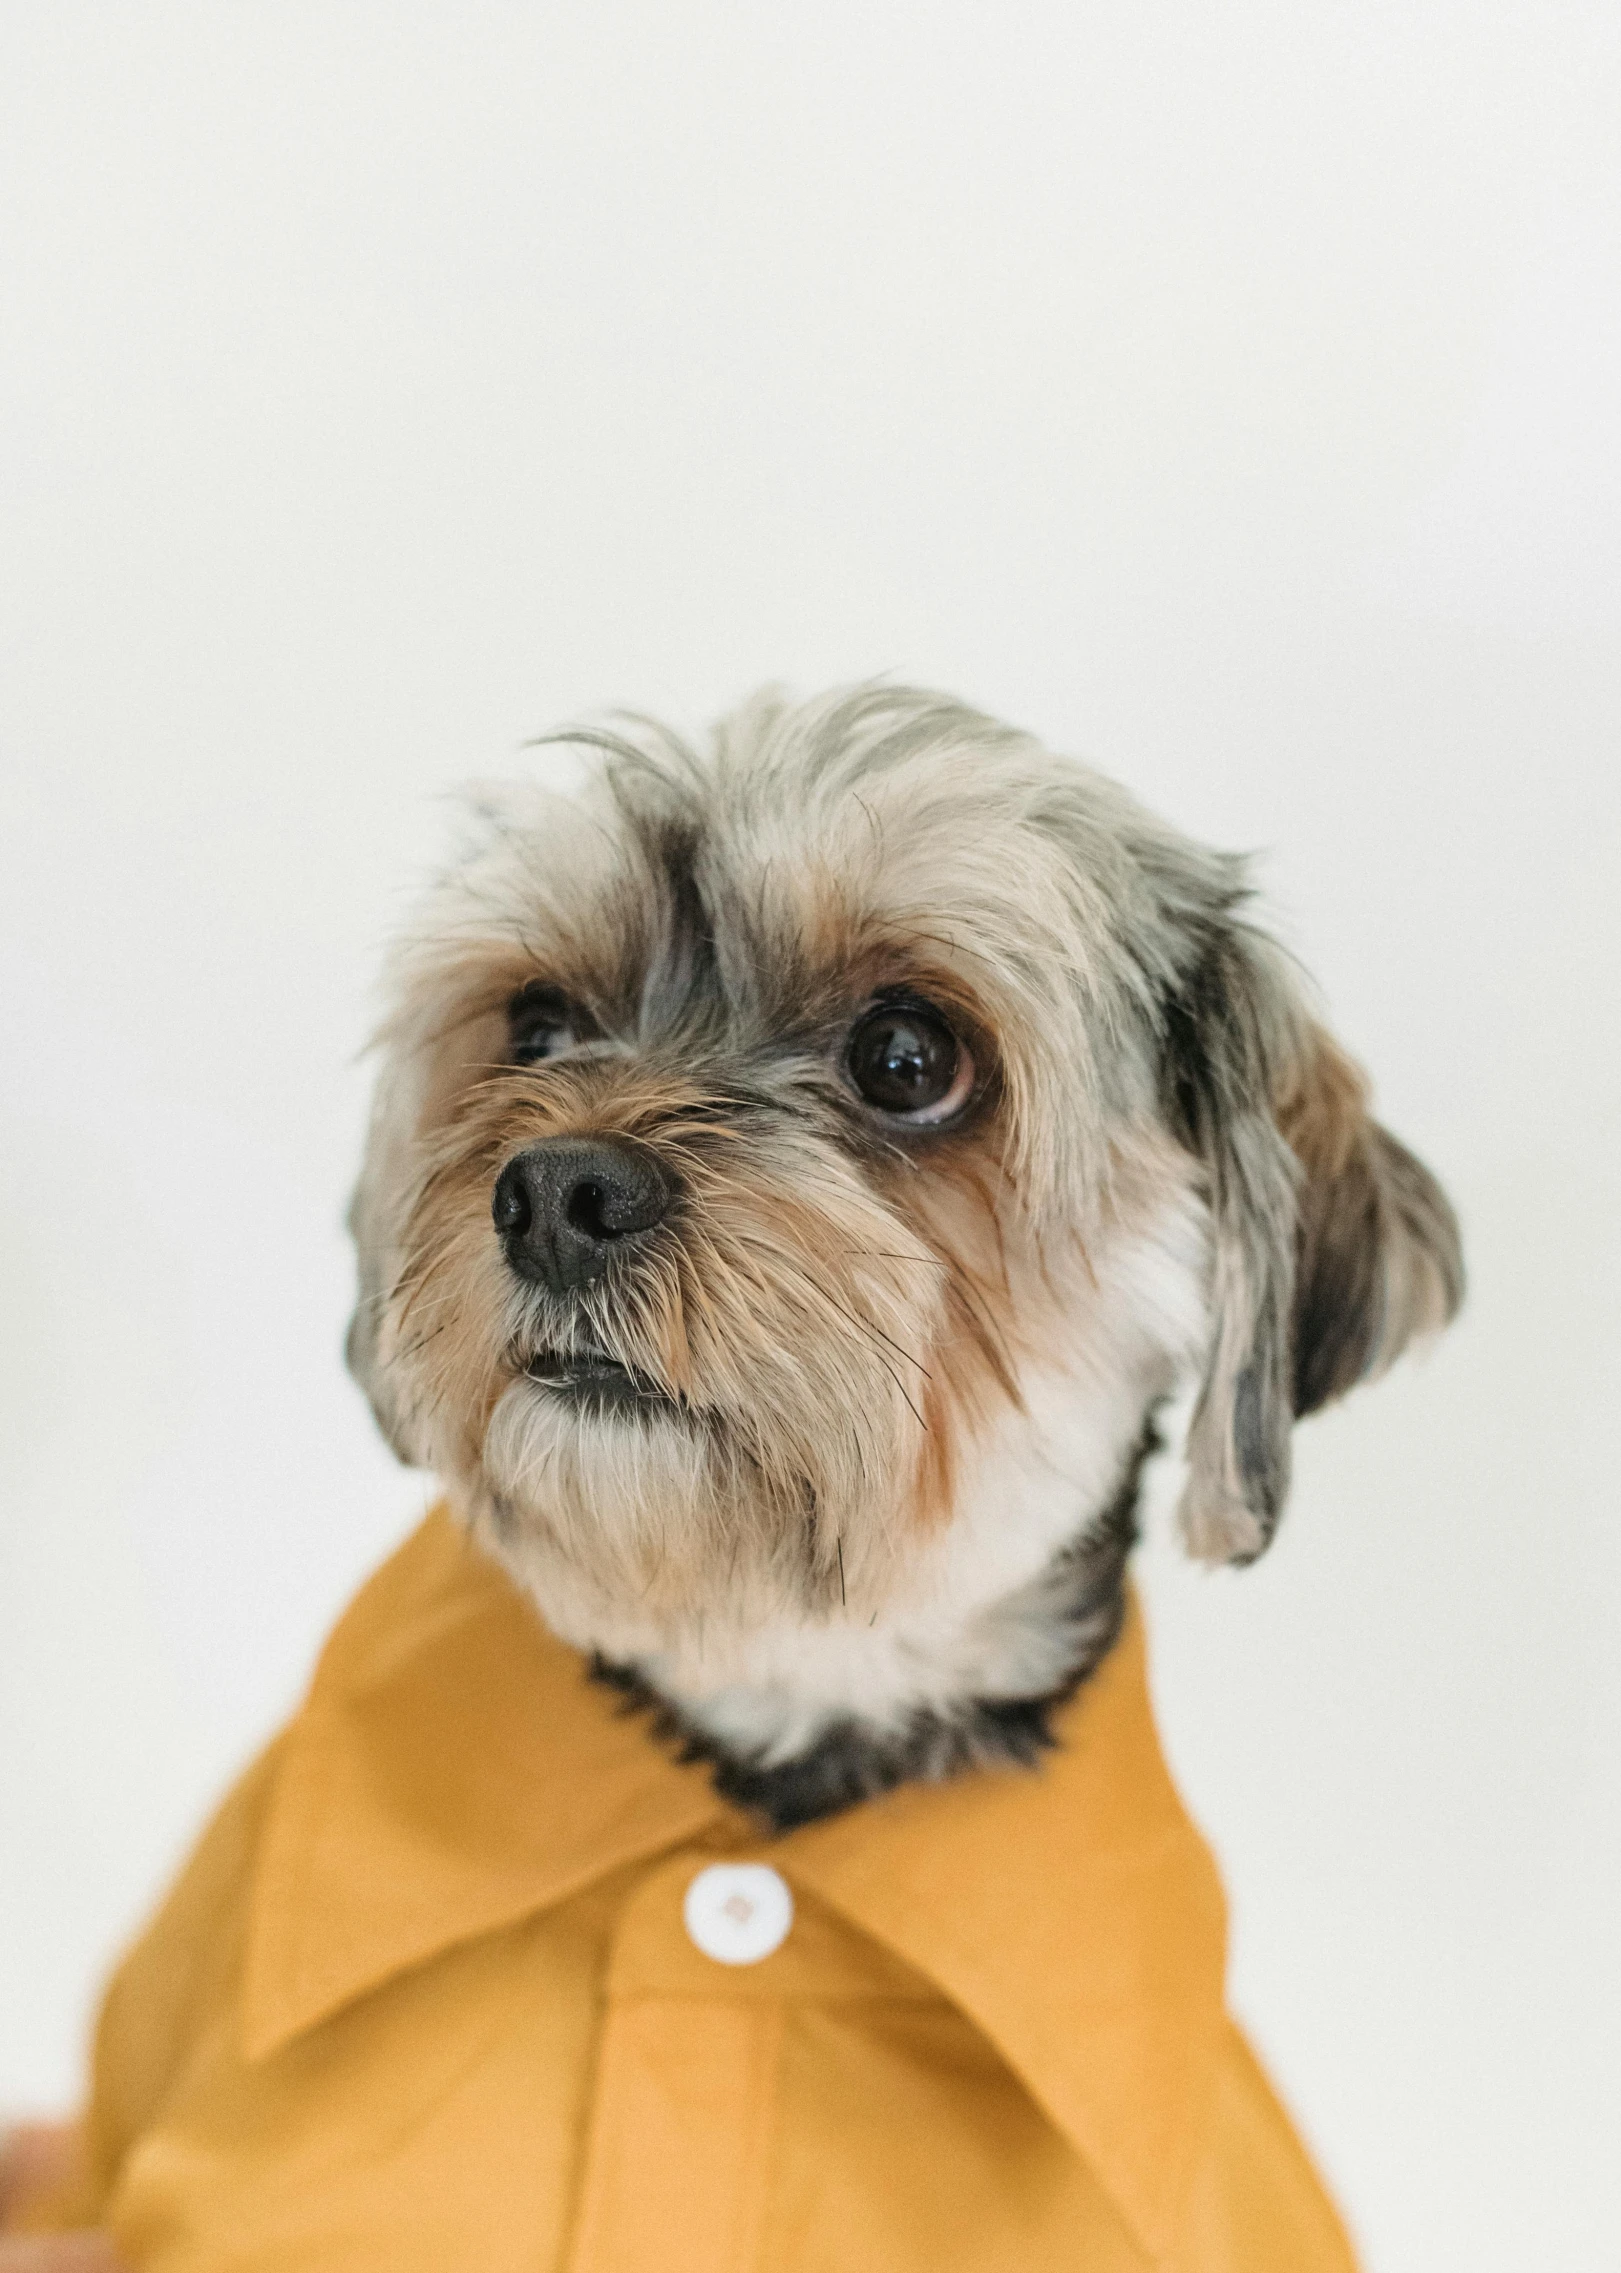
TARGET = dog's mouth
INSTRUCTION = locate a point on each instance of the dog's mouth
(593, 1380)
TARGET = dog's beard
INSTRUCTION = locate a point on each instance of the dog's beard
(760, 1414)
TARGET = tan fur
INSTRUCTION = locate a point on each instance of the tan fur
(1321, 1101)
(851, 1317)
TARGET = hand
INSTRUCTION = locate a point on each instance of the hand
(38, 2160)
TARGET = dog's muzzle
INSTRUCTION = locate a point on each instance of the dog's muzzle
(565, 1209)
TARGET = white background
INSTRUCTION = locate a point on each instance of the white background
(1229, 392)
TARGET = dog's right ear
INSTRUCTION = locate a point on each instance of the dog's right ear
(1332, 1246)
(1229, 1025)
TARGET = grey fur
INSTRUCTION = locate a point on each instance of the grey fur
(1165, 1163)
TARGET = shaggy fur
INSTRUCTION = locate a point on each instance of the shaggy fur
(859, 1512)
(1079, 1597)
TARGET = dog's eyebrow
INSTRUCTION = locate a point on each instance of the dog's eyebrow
(681, 973)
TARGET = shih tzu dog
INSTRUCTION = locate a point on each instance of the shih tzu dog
(800, 1172)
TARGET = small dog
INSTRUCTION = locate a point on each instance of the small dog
(799, 1175)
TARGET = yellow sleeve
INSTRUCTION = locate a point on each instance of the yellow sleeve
(1259, 2205)
(178, 1982)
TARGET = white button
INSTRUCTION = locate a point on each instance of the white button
(738, 1913)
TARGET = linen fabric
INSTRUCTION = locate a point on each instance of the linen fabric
(423, 1998)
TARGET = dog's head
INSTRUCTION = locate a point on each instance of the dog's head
(773, 1140)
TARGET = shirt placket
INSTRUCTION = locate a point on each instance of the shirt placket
(679, 2147)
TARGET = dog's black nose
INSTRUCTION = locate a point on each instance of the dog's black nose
(564, 1207)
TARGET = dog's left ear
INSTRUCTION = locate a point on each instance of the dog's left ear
(360, 1348)
(1333, 1246)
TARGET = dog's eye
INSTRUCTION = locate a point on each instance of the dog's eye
(905, 1060)
(544, 1024)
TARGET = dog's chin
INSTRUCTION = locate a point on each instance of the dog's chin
(594, 1468)
(635, 1518)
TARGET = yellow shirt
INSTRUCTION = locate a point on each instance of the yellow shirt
(424, 1999)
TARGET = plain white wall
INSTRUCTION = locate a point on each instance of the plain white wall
(1227, 391)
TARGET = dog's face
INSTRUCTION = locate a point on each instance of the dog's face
(770, 1144)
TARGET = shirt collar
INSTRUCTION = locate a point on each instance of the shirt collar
(1075, 1914)
(452, 1772)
